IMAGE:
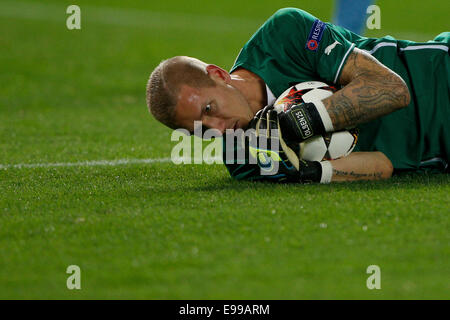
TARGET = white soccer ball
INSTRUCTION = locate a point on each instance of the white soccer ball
(329, 146)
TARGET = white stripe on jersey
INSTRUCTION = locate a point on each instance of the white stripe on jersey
(342, 62)
(425, 46)
(380, 45)
(393, 44)
(415, 47)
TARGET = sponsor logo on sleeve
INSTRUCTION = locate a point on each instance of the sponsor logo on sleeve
(315, 35)
(331, 47)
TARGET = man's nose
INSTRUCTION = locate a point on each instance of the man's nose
(215, 123)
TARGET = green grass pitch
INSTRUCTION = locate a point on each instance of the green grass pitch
(161, 231)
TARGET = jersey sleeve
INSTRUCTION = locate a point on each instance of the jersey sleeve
(305, 44)
(320, 45)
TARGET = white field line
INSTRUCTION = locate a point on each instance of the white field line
(124, 17)
(112, 163)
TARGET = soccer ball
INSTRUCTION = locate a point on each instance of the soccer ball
(329, 146)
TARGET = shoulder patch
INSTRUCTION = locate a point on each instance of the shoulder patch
(315, 35)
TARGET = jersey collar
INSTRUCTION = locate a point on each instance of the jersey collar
(270, 97)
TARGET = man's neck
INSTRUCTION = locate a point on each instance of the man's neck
(252, 87)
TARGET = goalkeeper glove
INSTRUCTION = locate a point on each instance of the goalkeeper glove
(271, 145)
(305, 120)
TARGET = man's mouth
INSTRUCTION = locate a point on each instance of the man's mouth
(235, 126)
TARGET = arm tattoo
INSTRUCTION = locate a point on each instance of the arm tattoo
(362, 176)
(371, 91)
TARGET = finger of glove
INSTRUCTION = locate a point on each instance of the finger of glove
(253, 123)
(263, 124)
(262, 112)
(265, 111)
(287, 153)
(272, 126)
(258, 114)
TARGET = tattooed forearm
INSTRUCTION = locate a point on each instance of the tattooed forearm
(362, 166)
(358, 176)
(371, 90)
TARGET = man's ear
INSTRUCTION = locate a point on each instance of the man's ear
(218, 74)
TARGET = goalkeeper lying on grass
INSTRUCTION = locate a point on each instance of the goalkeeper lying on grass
(396, 91)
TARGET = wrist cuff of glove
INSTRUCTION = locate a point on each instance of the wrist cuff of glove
(327, 172)
(310, 171)
(315, 171)
(305, 120)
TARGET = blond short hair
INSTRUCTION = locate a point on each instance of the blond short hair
(165, 82)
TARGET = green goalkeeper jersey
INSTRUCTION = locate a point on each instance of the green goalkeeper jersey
(293, 46)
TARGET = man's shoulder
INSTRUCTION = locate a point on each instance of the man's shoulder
(289, 12)
(286, 16)
(283, 24)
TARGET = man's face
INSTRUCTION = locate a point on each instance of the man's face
(220, 107)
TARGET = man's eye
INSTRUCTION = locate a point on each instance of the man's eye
(208, 108)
